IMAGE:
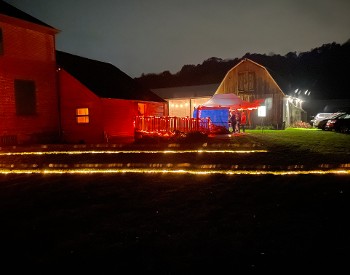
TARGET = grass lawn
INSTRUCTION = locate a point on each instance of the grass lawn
(174, 224)
(313, 140)
(127, 223)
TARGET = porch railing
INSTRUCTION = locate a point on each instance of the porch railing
(168, 124)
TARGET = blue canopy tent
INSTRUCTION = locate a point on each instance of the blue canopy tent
(218, 108)
(218, 116)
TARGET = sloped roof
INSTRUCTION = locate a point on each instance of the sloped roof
(280, 80)
(208, 90)
(281, 84)
(187, 91)
(11, 11)
(223, 100)
(104, 79)
(230, 101)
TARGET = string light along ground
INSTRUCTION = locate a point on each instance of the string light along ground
(164, 171)
(132, 152)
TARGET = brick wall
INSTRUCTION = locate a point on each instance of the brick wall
(28, 55)
(74, 95)
(119, 117)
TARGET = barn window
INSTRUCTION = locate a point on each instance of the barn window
(25, 97)
(241, 81)
(1, 43)
(251, 81)
(268, 103)
(246, 81)
(82, 115)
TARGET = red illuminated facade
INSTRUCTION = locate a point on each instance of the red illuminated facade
(98, 102)
(45, 98)
(28, 93)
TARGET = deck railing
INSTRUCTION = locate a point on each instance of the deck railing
(168, 124)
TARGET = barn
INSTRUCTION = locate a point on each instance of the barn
(99, 102)
(28, 94)
(250, 81)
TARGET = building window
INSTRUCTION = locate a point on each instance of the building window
(251, 81)
(246, 81)
(241, 81)
(141, 109)
(25, 97)
(82, 115)
(268, 103)
(1, 43)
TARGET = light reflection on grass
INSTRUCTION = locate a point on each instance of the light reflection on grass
(132, 152)
(180, 171)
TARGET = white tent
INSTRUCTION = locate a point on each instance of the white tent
(219, 105)
(224, 100)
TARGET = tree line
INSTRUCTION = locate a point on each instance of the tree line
(322, 70)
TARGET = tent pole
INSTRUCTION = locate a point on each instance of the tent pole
(197, 116)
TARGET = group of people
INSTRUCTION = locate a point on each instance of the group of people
(238, 120)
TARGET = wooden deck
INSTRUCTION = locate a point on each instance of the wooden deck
(167, 125)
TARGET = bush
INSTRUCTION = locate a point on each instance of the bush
(219, 130)
(265, 127)
(300, 124)
(194, 137)
(173, 137)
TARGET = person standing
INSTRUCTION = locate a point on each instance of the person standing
(243, 121)
(238, 121)
(233, 120)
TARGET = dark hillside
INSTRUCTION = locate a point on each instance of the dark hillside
(322, 70)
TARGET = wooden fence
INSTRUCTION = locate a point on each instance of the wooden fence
(167, 124)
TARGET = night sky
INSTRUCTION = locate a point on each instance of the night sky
(152, 36)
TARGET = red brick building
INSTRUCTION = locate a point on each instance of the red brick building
(74, 100)
(99, 102)
(28, 93)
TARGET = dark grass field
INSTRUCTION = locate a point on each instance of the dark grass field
(132, 223)
(136, 224)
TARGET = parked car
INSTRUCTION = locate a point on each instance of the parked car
(340, 124)
(322, 123)
(319, 117)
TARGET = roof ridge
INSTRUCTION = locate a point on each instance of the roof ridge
(11, 11)
(104, 79)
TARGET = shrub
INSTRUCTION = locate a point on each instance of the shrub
(219, 130)
(265, 127)
(300, 124)
(194, 137)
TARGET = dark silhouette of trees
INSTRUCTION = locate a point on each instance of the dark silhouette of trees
(323, 71)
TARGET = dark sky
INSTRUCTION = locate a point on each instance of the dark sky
(151, 36)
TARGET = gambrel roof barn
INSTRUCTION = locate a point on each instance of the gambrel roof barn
(251, 81)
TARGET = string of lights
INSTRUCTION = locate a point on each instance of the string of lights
(132, 152)
(165, 171)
